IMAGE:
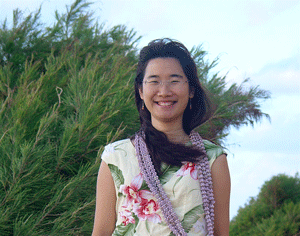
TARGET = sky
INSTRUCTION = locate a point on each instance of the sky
(256, 39)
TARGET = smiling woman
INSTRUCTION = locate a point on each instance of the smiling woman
(165, 92)
(165, 179)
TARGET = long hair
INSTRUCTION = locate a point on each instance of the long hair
(160, 148)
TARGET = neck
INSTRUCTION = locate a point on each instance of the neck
(174, 133)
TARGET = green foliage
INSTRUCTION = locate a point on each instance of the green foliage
(280, 189)
(275, 211)
(233, 106)
(65, 92)
(30, 40)
(58, 109)
(54, 128)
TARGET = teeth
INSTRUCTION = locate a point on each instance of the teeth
(165, 103)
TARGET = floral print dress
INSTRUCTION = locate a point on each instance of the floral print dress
(137, 210)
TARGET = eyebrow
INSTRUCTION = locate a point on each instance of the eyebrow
(176, 75)
(152, 76)
(172, 75)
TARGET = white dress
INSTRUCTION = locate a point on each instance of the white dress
(137, 210)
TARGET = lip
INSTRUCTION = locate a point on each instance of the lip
(165, 103)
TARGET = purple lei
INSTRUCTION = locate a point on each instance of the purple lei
(151, 178)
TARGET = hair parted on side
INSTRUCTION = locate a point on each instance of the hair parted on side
(160, 148)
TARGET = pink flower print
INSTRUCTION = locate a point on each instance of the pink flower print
(140, 202)
(126, 217)
(188, 168)
(146, 210)
(132, 191)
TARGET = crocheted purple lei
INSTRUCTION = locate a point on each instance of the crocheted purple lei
(151, 178)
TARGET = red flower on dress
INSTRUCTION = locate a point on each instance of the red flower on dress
(147, 208)
(188, 168)
(140, 202)
(126, 217)
(132, 191)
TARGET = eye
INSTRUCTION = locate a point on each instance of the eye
(175, 81)
(153, 82)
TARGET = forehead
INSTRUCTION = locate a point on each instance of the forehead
(163, 66)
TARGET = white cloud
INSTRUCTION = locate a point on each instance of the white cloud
(280, 78)
(259, 12)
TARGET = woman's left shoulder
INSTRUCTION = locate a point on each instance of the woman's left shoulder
(213, 151)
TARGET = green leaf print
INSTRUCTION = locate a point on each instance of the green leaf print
(117, 175)
(144, 186)
(120, 149)
(212, 150)
(191, 217)
(168, 173)
(147, 226)
(127, 230)
(176, 184)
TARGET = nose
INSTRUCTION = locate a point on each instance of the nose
(164, 90)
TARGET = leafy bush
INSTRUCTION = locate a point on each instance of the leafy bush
(275, 211)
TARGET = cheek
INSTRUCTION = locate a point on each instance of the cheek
(147, 95)
(185, 94)
(141, 93)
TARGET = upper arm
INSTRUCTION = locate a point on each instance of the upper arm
(221, 187)
(105, 215)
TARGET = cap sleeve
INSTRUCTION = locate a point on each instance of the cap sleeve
(213, 151)
(107, 153)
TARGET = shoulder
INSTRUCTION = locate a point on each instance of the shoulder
(115, 146)
(120, 157)
(213, 151)
(116, 149)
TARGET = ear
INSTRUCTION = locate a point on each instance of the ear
(141, 93)
(192, 93)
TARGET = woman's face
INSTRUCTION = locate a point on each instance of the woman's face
(165, 91)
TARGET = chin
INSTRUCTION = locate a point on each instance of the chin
(167, 119)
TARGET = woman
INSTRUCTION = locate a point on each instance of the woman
(165, 179)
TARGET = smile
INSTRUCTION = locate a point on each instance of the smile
(165, 103)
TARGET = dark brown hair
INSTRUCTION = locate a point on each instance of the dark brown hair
(160, 148)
